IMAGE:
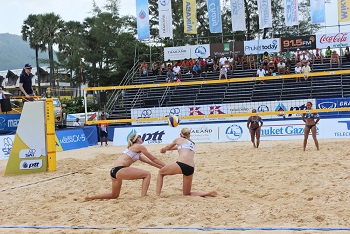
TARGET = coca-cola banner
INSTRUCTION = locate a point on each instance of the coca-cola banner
(298, 42)
(333, 40)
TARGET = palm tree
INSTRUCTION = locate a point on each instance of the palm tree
(31, 32)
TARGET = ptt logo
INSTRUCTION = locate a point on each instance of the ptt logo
(153, 138)
(327, 105)
(164, 2)
(234, 132)
(200, 51)
(142, 14)
(263, 108)
(30, 165)
(280, 107)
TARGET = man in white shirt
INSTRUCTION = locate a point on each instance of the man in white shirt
(281, 67)
(177, 70)
(306, 70)
(298, 71)
(76, 123)
(222, 60)
(261, 73)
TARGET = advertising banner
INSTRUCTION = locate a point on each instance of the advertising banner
(190, 16)
(238, 15)
(177, 53)
(331, 103)
(265, 15)
(298, 42)
(9, 122)
(260, 46)
(72, 139)
(6, 143)
(165, 19)
(318, 11)
(142, 15)
(291, 13)
(217, 49)
(238, 47)
(214, 14)
(343, 10)
(333, 40)
(200, 51)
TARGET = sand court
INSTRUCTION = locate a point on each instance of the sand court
(276, 186)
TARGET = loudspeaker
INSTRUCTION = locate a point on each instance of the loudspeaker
(103, 97)
(5, 105)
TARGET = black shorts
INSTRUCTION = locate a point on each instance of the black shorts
(103, 134)
(114, 171)
(187, 170)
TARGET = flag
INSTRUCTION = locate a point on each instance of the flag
(165, 19)
(318, 11)
(214, 14)
(237, 15)
(265, 16)
(343, 10)
(291, 14)
(142, 15)
(190, 16)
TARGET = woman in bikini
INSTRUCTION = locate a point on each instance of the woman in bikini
(254, 125)
(122, 170)
(184, 165)
(310, 124)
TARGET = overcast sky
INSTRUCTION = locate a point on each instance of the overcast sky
(14, 12)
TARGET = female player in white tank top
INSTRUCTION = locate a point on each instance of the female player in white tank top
(184, 165)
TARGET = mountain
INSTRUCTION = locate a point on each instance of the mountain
(15, 53)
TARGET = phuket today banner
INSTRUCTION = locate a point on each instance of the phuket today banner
(214, 14)
(318, 11)
(142, 15)
(291, 12)
(265, 15)
(190, 16)
(343, 10)
(165, 19)
(238, 15)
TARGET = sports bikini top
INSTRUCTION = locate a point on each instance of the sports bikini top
(311, 115)
(189, 145)
(256, 120)
(133, 155)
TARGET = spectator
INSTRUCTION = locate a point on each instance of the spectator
(223, 72)
(261, 73)
(210, 64)
(297, 56)
(288, 54)
(271, 68)
(192, 62)
(222, 60)
(169, 64)
(244, 60)
(281, 67)
(288, 65)
(347, 54)
(144, 68)
(155, 68)
(297, 71)
(251, 61)
(25, 83)
(185, 65)
(103, 131)
(203, 65)
(334, 58)
(318, 55)
(170, 76)
(235, 61)
(266, 56)
(265, 63)
(328, 52)
(306, 70)
(76, 123)
(216, 65)
(177, 70)
(196, 70)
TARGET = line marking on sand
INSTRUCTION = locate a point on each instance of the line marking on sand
(37, 182)
(185, 228)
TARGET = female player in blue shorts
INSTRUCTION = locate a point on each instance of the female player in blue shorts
(310, 124)
(184, 165)
(254, 125)
(122, 170)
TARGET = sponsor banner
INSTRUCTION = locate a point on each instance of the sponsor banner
(260, 46)
(9, 122)
(265, 15)
(190, 16)
(165, 19)
(177, 53)
(318, 11)
(214, 14)
(6, 143)
(238, 47)
(343, 10)
(331, 103)
(291, 13)
(31, 164)
(142, 15)
(217, 49)
(72, 139)
(298, 42)
(238, 15)
(200, 51)
(333, 40)
(338, 128)
(225, 108)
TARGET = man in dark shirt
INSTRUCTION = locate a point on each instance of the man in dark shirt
(25, 82)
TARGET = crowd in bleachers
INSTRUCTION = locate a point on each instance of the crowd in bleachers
(267, 64)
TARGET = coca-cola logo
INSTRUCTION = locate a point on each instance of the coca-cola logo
(338, 38)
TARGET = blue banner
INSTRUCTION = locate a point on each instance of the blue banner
(72, 139)
(9, 122)
(331, 103)
(142, 15)
(214, 14)
(318, 11)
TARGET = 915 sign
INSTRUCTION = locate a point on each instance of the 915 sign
(302, 43)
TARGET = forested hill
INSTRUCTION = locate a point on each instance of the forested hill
(14, 52)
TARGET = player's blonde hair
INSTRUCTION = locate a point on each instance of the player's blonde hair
(132, 138)
(186, 133)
